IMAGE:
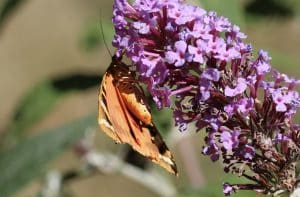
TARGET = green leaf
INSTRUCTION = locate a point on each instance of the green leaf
(163, 120)
(41, 99)
(231, 9)
(27, 160)
(33, 107)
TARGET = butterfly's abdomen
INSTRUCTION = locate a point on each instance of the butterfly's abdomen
(135, 102)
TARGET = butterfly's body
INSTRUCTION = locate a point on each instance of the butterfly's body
(125, 116)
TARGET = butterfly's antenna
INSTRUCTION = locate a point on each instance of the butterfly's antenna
(102, 33)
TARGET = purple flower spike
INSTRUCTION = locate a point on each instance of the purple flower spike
(197, 63)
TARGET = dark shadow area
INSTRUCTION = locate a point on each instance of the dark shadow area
(269, 8)
(7, 7)
(134, 158)
(61, 85)
(76, 82)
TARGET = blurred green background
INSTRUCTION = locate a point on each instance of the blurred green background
(52, 57)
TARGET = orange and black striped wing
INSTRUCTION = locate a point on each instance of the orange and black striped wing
(148, 141)
(124, 116)
(110, 110)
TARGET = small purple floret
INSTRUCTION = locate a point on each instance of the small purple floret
(227, 189)
(240, 87)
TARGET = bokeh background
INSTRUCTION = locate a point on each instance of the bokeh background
(52, 58)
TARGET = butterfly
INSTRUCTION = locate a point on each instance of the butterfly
(124, 115)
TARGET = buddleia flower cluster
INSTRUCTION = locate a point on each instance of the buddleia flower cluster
(197, 63)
